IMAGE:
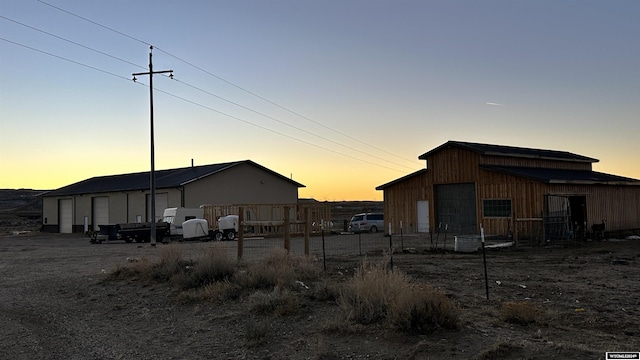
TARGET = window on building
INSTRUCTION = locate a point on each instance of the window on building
(496, 207)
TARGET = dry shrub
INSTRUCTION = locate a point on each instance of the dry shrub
(280, 303)
(170, 263)
(419, 310)
(325, 291)
(213, 267)
(377, 293)
(220, 291)
(519, 312)
(279, 270)
(141, 269)
(217, 292)
(367, 296)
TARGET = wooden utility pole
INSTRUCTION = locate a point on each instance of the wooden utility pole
(152, 177)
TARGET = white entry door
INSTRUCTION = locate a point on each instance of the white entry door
(423, 216)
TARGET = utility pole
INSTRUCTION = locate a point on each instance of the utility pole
(152, 177)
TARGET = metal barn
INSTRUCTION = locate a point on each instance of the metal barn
(126, 198)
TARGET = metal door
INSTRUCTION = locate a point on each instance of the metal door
(456, 208)
(423, 216)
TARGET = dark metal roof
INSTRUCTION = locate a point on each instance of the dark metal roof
(140, 181)
(421, 171)
(562, 176)
(511, 151)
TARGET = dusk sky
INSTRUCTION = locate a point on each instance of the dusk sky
(340, 95)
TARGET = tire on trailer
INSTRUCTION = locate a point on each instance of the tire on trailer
(230, 235)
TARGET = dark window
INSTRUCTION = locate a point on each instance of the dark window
(496, 207)
(375, 217)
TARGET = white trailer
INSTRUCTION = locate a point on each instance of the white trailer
(176, 216)
(227, 228)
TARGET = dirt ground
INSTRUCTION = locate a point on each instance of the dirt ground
(55, 304)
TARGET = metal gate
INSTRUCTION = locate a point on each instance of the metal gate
(456, 208)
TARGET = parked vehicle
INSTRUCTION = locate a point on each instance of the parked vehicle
(227, 228)
(176, 216)
(199, 229)
(130, 232)
(366, 222)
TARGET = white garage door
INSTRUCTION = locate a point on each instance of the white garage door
(100, 212)
(65, 215)
(161, 203)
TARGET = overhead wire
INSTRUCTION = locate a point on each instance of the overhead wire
(200, 105)
(287, 124)
(65, 59)
(70, 41)
(280, 106)
(232, 84)
(211, 94)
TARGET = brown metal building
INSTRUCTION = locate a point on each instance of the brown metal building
(508, 189)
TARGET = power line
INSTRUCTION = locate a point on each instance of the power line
(226, 81)
(71, 42)
(205, 107)
(280, 106)
(273, 131)
(66, 59)
(287, 124)
(93, 22)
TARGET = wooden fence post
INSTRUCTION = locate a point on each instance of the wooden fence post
(515, 230)
(287, 229)
(240, 231)
(307, 230)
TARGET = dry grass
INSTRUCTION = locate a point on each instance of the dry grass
(419, 310)
(279, 270)
(520, 312)
(376, 293)
(279, 303)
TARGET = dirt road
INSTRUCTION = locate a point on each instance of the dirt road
(55, 304)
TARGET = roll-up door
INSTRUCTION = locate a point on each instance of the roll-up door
(100, 211)
(65, 215)
(456, 207)
(162, 201)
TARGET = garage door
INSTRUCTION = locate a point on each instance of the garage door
(65, 215)
(456, 207)
(161, 204)
(100, 211)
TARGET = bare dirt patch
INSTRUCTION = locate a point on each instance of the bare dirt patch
(58, 301)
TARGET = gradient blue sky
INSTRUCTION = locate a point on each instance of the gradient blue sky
(362, 87)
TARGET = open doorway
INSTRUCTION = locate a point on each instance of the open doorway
(565, 217)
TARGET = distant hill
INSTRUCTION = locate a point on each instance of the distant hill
(20, 209)
(342, 211)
